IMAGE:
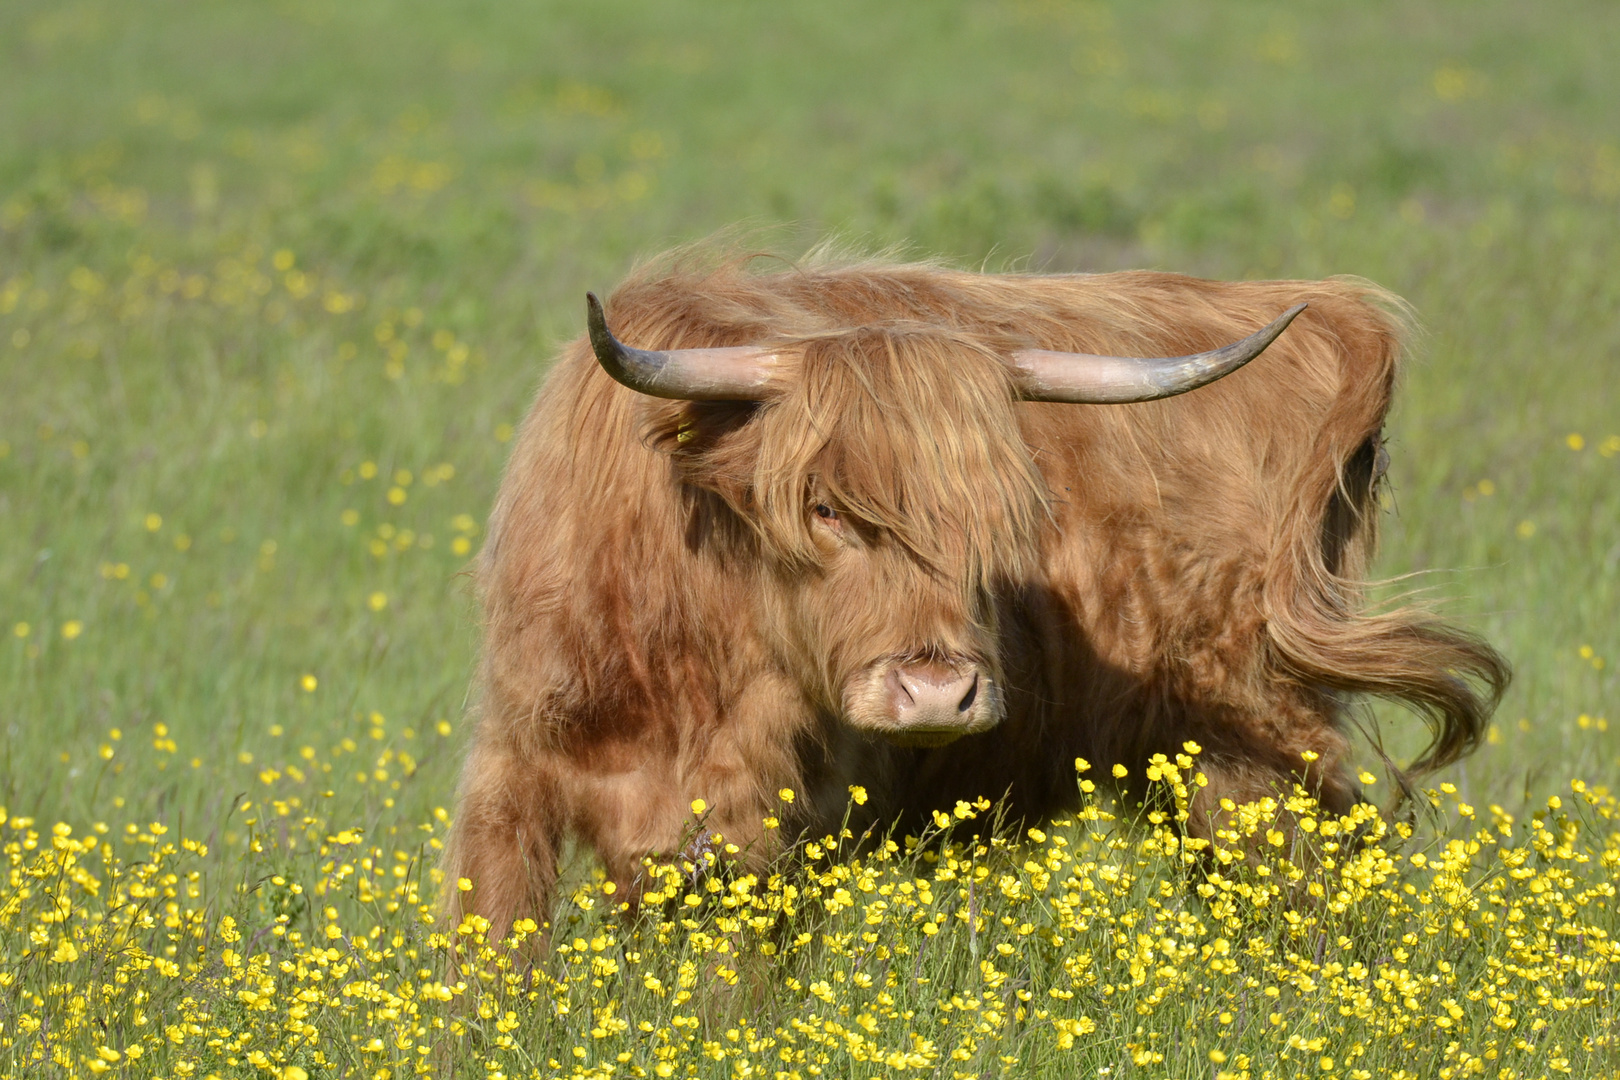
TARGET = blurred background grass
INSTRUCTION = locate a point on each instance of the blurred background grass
(276, 279)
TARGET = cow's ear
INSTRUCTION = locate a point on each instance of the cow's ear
(693, 428)
(706, 443)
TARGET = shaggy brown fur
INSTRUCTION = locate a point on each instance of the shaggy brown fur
(668, 618)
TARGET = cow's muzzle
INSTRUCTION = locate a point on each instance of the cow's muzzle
(924, 703)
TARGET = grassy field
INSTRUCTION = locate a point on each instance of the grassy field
(277, 279)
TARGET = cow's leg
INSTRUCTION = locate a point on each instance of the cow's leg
(637, 801)
(1312, 758)
(649, 812)
(508, 826)
(627, 814)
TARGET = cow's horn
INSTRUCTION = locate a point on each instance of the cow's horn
(735, 374)
(1084, 379)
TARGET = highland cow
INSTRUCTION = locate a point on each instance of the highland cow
(936, 533)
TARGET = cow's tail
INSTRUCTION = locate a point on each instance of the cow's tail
(1451, 678)
(1320, 633)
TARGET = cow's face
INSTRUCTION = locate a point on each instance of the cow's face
(892, 498)
(888, 639)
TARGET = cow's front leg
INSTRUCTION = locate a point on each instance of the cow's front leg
(668, 799)
(508, 826)
(646, 815)
(1245, 777)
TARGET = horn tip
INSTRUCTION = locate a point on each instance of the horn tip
(1281, 322)
(603, 343)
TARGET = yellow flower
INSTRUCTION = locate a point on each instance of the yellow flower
(1120, 770)
(786, 794)
(377, 601)
(65, 952)
(72, 629)
(698, 806)
(308, 682)
(857, 793)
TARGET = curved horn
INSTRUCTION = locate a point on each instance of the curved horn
(736, 374)
(1084, 379)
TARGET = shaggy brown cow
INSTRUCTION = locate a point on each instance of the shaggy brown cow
(865, 532)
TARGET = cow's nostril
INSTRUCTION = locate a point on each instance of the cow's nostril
(901, 690)
(972, 692)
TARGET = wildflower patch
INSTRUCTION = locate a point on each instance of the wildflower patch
(1091, 946)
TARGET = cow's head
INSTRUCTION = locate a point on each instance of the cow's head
(884, 475)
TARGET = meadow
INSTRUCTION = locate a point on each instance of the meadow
(277, 280)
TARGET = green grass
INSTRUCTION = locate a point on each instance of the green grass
(465, 172)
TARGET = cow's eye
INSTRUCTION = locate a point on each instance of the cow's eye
(825, 512)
